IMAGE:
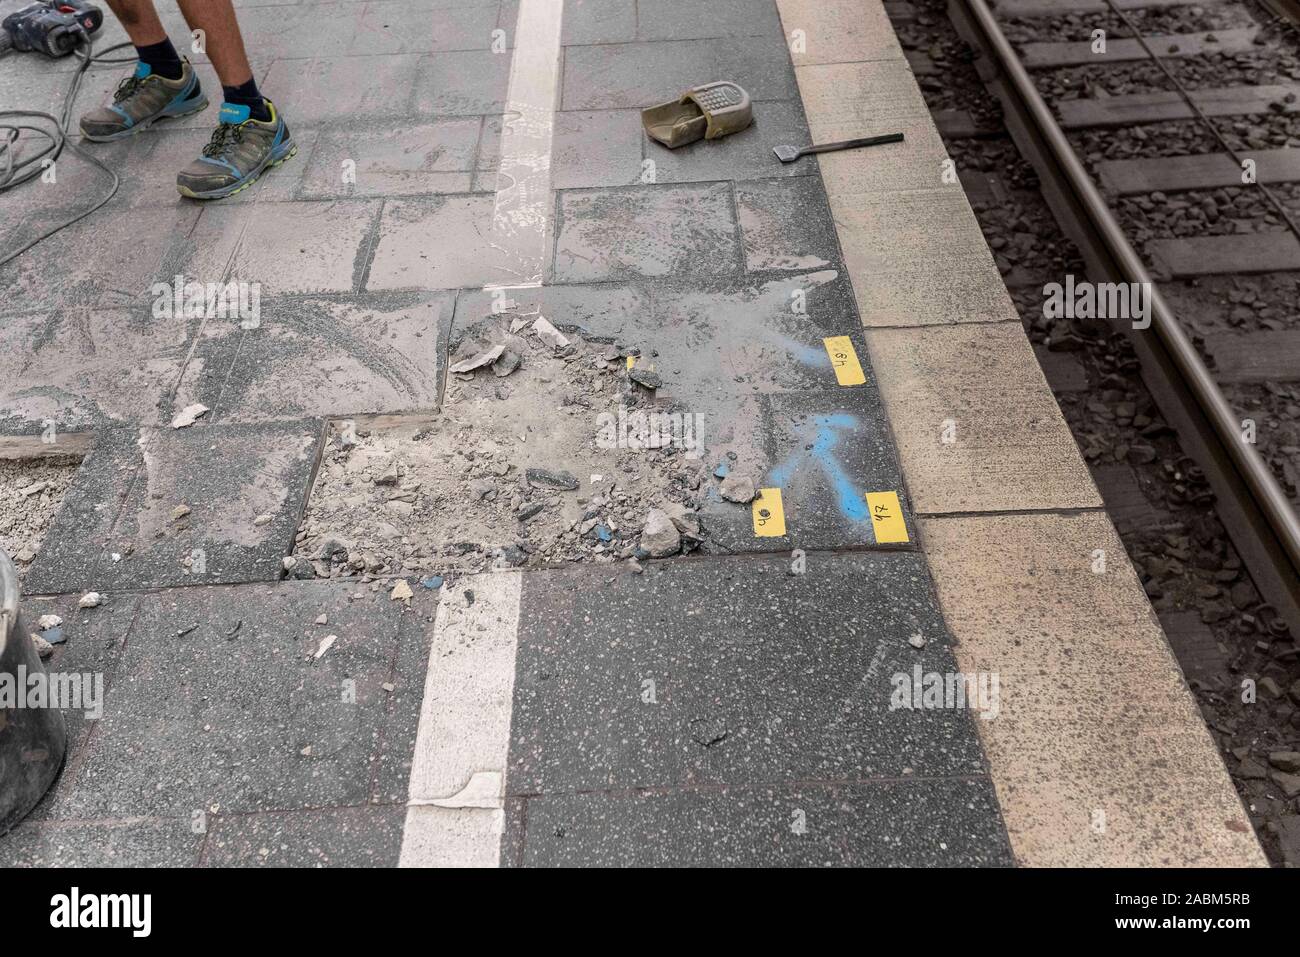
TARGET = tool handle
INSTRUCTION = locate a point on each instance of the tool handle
(852, 144)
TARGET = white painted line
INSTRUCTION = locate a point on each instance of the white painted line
(455, 816)
(521, 215)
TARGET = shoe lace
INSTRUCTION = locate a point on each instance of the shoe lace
(224, 139)
(127, 88)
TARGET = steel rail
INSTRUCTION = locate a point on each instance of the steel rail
(1255, 510)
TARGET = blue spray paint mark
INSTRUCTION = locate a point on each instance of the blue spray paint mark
(847, 497)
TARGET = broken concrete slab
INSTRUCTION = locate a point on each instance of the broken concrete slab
(125, 499)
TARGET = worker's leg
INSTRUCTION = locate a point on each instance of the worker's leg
(252, 136)
(222, 40)
(140, 20)
(162, 87)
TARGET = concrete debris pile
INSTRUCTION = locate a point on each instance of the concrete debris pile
(535, 458)
(30, 494)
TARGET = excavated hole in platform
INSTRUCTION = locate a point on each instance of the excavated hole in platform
(31, 491)
(444, 494)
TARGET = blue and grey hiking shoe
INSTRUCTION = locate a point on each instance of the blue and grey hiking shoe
(240, 150)
(143, 99)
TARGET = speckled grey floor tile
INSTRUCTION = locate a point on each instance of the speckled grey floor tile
(730, 671)
(684, 715)
(335, 837)
(943, 823)
(221, 705)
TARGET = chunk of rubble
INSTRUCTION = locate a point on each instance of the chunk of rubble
(43, 648)
(189, 415)
(738, 488)
(549, 334)
(687, 522)
(46, 622)
(326, 644)
(91, 599)
(645, 378)
(659, 536)
(401, 591)
(545, 478)
(493, 346)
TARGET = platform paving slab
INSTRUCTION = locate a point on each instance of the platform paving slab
(755, 691)
(839, 33)
(1094, 764)
(636, 75)
(746, 710)
(980, 385)
(467, 83)
(237, 714)
(323, 356)
(612, 235)
(786, 225)
(126, 493)
(925, 823)
(445, 242)
(84, 368)
(331, 837)
(589, 148)
(128, 844)
(392, 158)
(135, 248)
(287, 248)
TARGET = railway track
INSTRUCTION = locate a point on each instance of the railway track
(1218, 220)
(1130, 196)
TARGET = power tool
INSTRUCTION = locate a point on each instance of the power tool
(52, 27)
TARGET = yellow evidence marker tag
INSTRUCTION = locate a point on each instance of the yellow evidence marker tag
(769, 514)
(844, 358)
(886, 517)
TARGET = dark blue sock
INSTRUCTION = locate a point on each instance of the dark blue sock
(162, 59)
(247, 94)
